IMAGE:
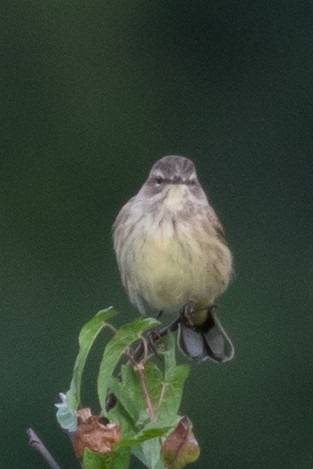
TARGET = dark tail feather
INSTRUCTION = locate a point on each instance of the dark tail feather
(206, 342)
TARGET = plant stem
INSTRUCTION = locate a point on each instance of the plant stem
(36, 443)
(150, 406)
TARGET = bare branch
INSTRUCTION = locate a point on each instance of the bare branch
(36, 443)
(140, 369)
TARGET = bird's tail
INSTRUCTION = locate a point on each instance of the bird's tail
(208, 341)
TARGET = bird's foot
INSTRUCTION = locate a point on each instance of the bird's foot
(186, 313)
(150, 341)
(193, 317)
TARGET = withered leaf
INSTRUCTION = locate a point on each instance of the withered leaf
(94, 432)
(180, 447)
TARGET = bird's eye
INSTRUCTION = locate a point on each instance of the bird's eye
(192, 182)
(158, 180)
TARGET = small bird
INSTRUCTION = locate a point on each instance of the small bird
(173, 256)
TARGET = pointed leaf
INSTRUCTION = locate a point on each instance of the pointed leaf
(87, 337)
(173, 393)
(145, 435)
(181, 447)
(170, 353)
(116, 459)
(116, 347)
(175, 377)
(129, 394)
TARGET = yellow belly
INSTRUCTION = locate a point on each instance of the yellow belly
(171, 272)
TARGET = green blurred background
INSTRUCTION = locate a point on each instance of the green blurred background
(92, 93)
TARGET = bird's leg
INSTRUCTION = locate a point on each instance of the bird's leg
(195, 318)
(186, 313)
(209, 322)
(189, 316)
(159, 314)
(153, 338)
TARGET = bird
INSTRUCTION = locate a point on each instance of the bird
(173, 257)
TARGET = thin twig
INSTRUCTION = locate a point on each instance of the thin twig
(164, 388)
(36, 443)
(110, 326)
(140, 368)
(142, 351)
(150, 406)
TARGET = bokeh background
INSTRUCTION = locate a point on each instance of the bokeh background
(92, 93)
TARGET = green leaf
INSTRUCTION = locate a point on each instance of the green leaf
(120, 416)
(116, 347)
(154, 382)
(146, 445)
(130, 395)
(165, 393)
(131, 400)
(152, 451)
(94, 460)
(87, 336)
(173, 384)
(173, 393)
(116, 459)
(170, 353)
(145, 435)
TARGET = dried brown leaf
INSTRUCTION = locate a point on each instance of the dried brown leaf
(94, 432)
(180, 447)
